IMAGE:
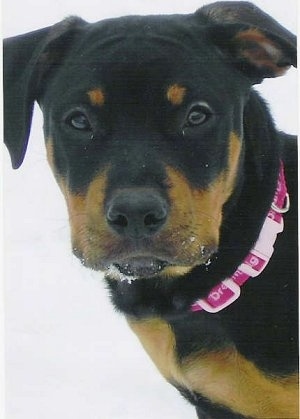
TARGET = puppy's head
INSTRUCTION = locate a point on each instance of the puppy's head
(143, 121)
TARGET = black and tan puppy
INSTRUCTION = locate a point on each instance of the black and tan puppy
(176, 182)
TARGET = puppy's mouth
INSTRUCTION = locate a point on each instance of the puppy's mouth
(136, 267)
(142, 267)
(133, 264)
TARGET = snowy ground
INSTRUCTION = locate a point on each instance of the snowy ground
(68, 354)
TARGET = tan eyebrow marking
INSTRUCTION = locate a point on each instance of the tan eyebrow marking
(96, 97)
(176, 94)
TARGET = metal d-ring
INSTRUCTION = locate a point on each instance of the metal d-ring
(286, 206)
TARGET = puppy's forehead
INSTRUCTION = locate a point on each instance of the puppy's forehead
(172, 29)
(164, 43)
(146, 51)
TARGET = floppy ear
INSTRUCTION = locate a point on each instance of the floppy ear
(256, 43)
(27, 58)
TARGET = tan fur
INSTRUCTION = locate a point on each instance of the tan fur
(196, 214)
(175, 271)
(51, 162)
(88, 226)
(50, 153)
(233, 161)
(224, 377)
(268, 55)
(176, 94)
(96, 97)
(86, 217)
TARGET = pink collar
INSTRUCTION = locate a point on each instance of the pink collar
(227, 291)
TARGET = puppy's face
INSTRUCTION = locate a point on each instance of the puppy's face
(144, 137)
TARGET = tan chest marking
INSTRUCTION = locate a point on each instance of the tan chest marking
(224, 377)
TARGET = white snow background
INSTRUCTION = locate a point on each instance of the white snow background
(68, 355)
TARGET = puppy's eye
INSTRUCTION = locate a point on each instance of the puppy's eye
(198, 115)
(79, 121)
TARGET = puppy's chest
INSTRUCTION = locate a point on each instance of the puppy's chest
(207, 363)
(169, 349)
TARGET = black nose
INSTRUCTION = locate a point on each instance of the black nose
(137, 213)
